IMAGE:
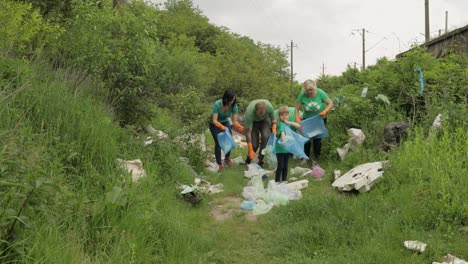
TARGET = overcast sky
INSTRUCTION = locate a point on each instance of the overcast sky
(329, 32)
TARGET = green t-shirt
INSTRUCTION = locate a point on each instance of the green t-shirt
(292, 116)
(251, 116)
(280, 128)
(312, 106)
(223, 116)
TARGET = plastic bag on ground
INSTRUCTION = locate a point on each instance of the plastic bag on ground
(247, 205)
(255, 170)
(317, 172)
(278, 194)
(261, 207)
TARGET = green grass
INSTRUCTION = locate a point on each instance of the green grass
(57, 165)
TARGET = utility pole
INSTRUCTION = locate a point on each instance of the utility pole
(363, 49)
(292, 72)
(323, 69)
(426, 8)
(446, 21)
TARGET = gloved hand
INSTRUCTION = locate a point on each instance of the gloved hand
(238, 127)
(298, 119)
(324, 113)
(251, 154)
(274, 129)
(220, 126)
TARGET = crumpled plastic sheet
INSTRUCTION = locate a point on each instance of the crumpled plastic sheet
(261, 207)
(256, 170)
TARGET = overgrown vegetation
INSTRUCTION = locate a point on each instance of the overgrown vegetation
(80, 81)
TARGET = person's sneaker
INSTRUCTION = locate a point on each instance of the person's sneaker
(220, 168)
(228, 161)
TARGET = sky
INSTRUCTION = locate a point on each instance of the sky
(327, 34)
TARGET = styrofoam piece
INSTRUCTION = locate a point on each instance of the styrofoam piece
(415, 245)
(449, 259)
(298, 185)
(361, 177)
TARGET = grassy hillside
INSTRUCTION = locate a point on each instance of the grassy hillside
(64, 199)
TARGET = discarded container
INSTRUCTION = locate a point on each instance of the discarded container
(314, 127)
(337, 174)
(415, 245)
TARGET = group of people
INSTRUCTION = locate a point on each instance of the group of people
(261, 120)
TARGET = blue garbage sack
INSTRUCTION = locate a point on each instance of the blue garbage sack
(314, 127)
(226, 141)
(294, 143)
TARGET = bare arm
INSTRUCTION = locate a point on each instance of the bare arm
(294, 124)
(329, 104)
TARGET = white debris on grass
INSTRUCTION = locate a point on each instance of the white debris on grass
(449, 259)
(361, 177)
(415, 245)
(357, 137)
(275, 194)
(134, 167)
(256, 170)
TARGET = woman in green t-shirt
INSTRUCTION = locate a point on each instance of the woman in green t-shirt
(314, 101)
(223, 109)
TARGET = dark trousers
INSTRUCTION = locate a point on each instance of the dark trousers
(214, 132)
(317, 145)
(259, 137)
(282, 168)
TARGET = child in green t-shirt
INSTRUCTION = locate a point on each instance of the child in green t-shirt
(282, 155)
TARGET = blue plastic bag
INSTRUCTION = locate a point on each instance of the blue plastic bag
(294, 143)
(270, 151)
(226, 142)
(314, 127)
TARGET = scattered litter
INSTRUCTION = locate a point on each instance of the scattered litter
(211, 166)
(160, 134)
(148, 141)
(247, 205)
(357, 137)
(317, 172)
(217, 188)
(261, 207)
(298, 185)
(300, 170)
(393, 134)
(337, 174)
(255, 170)
(237, 160)
(415, 245)
(437, 122)
(135, 167)
(449, 259)
(361, 177)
